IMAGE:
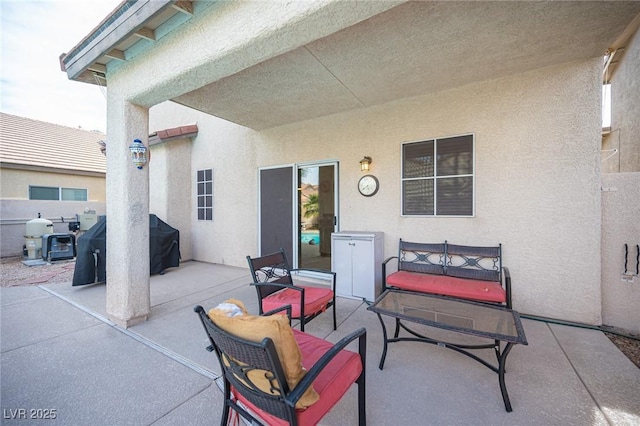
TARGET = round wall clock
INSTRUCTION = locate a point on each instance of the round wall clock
(368, 185)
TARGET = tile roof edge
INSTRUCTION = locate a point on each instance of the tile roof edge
(180, 132)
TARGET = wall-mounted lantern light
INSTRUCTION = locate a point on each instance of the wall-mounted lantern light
(138, 153)
(364, 164)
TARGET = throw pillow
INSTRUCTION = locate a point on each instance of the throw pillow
(232, 317)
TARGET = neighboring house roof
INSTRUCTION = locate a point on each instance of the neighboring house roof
(31, 144)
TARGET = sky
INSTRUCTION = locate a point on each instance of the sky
(33, 34)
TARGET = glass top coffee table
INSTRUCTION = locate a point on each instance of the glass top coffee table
(477, 319)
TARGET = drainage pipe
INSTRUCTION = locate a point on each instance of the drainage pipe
(602, 328)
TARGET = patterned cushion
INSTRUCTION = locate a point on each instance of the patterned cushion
(276, 327)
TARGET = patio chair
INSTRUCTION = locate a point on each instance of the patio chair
(275, 288)
(331, 370)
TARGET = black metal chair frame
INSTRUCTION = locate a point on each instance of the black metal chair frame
(472, 262)
(238, 357)
(271, 273)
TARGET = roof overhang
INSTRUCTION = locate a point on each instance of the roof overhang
(410, 49)
(129, 23)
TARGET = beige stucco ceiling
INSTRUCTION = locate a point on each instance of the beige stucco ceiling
(290, 70)
(412, 49)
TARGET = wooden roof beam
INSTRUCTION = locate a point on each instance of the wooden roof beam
(116, 54)
(146, 33)
(184, 6)
(99, 68)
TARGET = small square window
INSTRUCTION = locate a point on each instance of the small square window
(438, 177)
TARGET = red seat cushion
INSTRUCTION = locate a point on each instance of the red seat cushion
(485, 291)
(332, 383)
(315, 300)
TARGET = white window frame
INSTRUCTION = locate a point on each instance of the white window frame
(204, 208)
(60, 191)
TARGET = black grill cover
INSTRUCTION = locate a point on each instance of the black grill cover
(91, 259)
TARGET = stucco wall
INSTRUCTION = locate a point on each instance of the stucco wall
(537, 178)
(170, 188)
(16, 213)
(620, 226)
(16, 208)
(621, 196)
(227, 149)
(14, 183)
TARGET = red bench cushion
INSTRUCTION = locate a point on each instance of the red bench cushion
(485, 291)
(332, 383)
(315, 300)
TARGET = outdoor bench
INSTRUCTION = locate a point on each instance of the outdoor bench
(462, 272)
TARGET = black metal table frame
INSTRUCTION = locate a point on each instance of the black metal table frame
(501, 355)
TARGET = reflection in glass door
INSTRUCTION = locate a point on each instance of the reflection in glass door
(316, 215)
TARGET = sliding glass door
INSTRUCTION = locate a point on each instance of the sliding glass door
(317, 216)
(298, 212)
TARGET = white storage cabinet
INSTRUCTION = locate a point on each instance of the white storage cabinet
(356, 258)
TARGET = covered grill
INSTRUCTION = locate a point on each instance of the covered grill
(91, 260)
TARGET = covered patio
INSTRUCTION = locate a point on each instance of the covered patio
(299, 83)
(61, 353)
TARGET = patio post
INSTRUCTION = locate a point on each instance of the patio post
(128, 295)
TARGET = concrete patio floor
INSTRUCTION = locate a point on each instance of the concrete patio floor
(59, 352)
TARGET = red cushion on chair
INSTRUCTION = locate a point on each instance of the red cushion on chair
(332, 383)
(486, 291)
(315, 300)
